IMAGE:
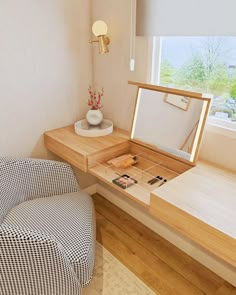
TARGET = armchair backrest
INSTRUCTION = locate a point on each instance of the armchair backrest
(25, 179)
(8, 187)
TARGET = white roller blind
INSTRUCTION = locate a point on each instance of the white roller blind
(186, 18)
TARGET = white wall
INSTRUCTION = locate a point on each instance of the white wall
(111, 71)
(45, 69)
(219, 146)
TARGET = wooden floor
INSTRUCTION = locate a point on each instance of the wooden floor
(163, 267)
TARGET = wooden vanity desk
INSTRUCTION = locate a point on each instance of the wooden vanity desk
(199, 202)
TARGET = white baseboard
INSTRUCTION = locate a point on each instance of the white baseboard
(142, 215)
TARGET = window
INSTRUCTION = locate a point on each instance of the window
(203, 64)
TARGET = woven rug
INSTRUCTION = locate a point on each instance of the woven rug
(112, 277)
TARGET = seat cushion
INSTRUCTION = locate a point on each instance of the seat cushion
(70, 219)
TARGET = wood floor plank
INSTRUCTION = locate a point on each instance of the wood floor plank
(203, 278)
(142, 262)
(162, 266)
(226, 289)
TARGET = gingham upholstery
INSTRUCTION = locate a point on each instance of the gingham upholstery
(68, 219)
(26, 179)
(46, 244)
(32, 263)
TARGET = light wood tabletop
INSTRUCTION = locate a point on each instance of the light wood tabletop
(201, 204)
(206, 192)
(75, 149)
(86, 145)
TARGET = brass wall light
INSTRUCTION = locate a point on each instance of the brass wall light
(99, 29)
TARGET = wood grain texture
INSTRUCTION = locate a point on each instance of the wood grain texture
(206, 192)
(75, 149)
(66, 153)
(162, 266)
(201, 204)
(155, 273)
(209, 238)
(149, 165)
(134, 192)
(163, 89)
(200, 129)
(174, 164)
(86, 145)
(226, 289)
(108, 153)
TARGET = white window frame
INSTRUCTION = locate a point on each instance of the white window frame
(213, 124)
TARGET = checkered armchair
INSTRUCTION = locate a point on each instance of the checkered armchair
(47, 229)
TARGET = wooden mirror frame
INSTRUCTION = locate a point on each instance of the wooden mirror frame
(202, 121)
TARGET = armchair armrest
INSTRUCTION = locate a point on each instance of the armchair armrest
(34, 263)
(24, 179)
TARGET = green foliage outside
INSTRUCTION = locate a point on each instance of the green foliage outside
(219, 81)
(167, 73)
(192, 74)
(233, 89)
(204, 72)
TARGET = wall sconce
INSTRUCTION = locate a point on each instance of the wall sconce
(99, 29)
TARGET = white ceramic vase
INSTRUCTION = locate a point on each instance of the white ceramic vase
(94, 117)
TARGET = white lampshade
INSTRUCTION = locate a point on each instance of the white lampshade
(99, 28)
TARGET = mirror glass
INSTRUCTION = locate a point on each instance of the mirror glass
(169, 122)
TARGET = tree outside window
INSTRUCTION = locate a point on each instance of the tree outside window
(204, 64)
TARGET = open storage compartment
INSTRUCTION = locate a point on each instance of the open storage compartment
(166, 131)
(149, 165)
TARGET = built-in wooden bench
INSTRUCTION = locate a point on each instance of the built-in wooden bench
(201, 205)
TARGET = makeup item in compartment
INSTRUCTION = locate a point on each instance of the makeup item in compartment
(124, 181)
(124, 161)
(155, 179)
(164, 181)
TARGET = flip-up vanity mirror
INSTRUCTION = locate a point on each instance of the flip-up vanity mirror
(169, 120)
(164, 142)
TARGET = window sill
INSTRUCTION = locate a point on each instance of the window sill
(213, 125)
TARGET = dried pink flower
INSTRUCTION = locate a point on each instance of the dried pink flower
(94, 100)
